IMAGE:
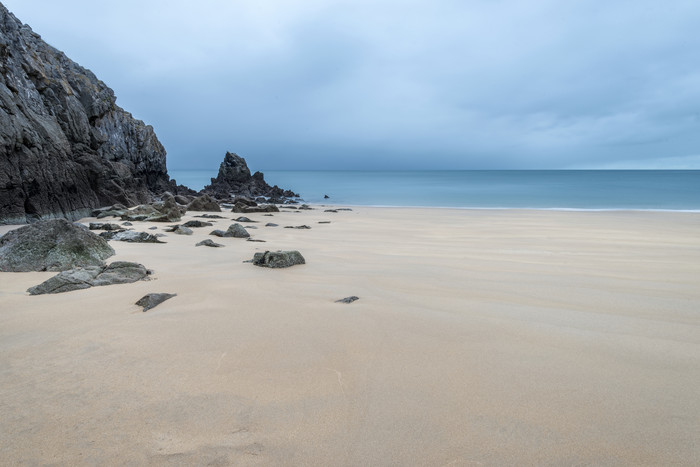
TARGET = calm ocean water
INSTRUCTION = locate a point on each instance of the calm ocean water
(539, 189)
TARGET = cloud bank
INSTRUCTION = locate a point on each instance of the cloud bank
(390, 84)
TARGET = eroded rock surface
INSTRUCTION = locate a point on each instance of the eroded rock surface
(51, 245)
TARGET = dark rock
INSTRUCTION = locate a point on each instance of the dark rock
(101, 226)
(152, 300)
(324, 222)
(52, 245)
(268, 215)
(297, 227)
(211, 216)
(65, 146)
(347, 299)
(250, 227)
(119, 272)
(209, 242)
(344, 209)
(256, 240)
(331, 210)
(156, 228)
(127, 224)
(166, 210)
(326, 196)
(305, 207)
(234, 230)
(234, 179)
(114, 207)
(131, 236)
(271, 224)
(197, 224)
(182, 230)
(244, 219)
(278, 259)
(204, 203)
(104, 214)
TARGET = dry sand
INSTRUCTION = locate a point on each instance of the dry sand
(480, 338)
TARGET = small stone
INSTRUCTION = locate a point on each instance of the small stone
(152, 300)
(244, 219)
(324, 222)
(347, 299)
(197, 224)
(256, 240)
(209, 242)
(271, 224)
(303, 227)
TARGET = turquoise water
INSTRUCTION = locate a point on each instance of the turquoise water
(539, 189)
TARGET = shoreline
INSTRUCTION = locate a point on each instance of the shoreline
(480, 336)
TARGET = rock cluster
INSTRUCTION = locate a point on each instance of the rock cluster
(65, 146)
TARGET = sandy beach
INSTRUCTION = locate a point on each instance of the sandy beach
(481, 337)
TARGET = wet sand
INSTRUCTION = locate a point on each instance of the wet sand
(480, 338)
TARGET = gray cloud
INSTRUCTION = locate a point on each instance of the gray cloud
(397, 84)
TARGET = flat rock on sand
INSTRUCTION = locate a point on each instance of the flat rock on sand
(152, 300)
(118, 272)
(52, 245)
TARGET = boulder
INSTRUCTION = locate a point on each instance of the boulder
(204, 203)
(52, 245)
(278, 259)
(152, 300)
(119, 272)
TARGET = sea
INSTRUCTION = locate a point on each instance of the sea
(666, 190)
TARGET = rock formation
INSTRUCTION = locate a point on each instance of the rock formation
(234, 179)
(65, 146)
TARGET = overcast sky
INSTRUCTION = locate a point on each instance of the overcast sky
(396, 84)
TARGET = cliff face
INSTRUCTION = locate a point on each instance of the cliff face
(65, 146)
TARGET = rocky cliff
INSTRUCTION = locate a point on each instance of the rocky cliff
(65, 146)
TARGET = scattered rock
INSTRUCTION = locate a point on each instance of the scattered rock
(211, 216)
(250, 239)
(101, 226)
(182, 230)
(119, 272)
(297, 227)
(324, 222)
(244, 219)
(156, 228)
(305, 207)
(347, 299)
(127, 224)
(326, 196)
(269, 215)
(210, 242)
(51, 245)
(204, 203)
(344, 209)
(250, 227)
(278, 259)
(271, 224)
(152, 300)
(131, 236)
(331, 210)
(234, 230)
(197, 224)
(182, 200)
